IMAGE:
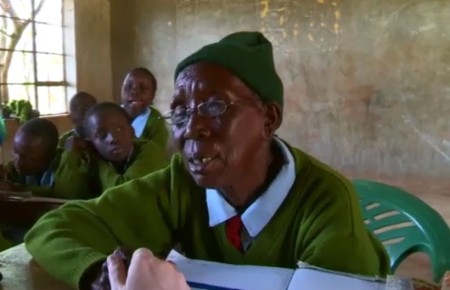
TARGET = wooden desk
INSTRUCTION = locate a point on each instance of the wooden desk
(25, 212)
(20, 272)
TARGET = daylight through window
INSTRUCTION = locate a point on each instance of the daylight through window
(32, 54)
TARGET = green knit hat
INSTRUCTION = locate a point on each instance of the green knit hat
(248, 55)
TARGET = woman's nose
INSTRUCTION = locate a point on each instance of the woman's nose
(196, 127)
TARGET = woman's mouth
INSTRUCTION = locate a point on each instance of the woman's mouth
(201, 165)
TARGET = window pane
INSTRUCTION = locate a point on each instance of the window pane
(17, 92)
(28, 72)
(50, 67)
(49, 38)
(52, 100)
(21, 68)
(22, 8)
(26, 40)
(7, 26)
(51, 12)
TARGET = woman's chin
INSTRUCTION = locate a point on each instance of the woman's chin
(206, 181)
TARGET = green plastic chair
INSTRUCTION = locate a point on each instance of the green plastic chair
(405, 224)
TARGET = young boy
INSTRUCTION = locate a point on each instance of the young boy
(79, 104)
(121, 157)
(44, 169)
(138, 92)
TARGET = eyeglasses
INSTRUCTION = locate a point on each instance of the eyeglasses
(209, 109)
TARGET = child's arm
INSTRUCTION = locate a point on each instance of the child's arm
(150, 158)
(161, 133)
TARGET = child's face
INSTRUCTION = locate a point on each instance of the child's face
(29, 154)
(76, 115)
(112, 135)
(138, 92)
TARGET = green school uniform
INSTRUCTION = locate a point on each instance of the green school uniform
(319, 223)
(156, 129)
(147, 157)
(4, 244)
(65, 136)
(69, 177)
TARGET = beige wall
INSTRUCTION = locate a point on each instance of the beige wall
(93, 47)
(366, 84)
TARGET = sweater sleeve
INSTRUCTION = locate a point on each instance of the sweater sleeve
(74, 178)
(335, 236)
(156, 129)
(150, 158)
(64, 137)
(4, 244)
(68, 240)
(161, 133)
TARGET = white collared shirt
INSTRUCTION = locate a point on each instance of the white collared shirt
(259, 213)
(140, 121)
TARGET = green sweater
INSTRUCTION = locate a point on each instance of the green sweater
(64, 137)
(4, 244)
(156, 129)
(146, 158)
(71, 175)
(319, 223)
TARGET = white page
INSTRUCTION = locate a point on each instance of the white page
(213, 275)
(314, 279)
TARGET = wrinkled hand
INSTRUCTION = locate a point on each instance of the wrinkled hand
(123, 254)
(145, 272)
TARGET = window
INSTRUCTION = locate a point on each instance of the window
(32, 58)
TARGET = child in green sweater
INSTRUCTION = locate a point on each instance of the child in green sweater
(138, 93)
(42, 168)
(120, 157)
(78, 106)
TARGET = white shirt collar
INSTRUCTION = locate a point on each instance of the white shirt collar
(140, 121)
(259, 213)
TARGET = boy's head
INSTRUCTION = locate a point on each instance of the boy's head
(78, 106)
(108, 128)
(34, 146)
(138, 91)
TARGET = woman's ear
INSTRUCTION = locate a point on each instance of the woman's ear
(273, 118)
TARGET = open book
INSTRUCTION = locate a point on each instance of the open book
(205, 275)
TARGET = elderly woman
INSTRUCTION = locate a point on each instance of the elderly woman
(235, 193)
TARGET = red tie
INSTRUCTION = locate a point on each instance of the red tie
(234, 227)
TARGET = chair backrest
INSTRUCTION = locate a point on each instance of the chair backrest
(404, 224)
